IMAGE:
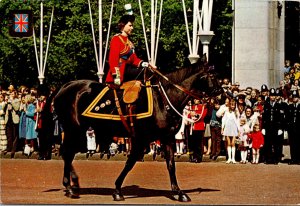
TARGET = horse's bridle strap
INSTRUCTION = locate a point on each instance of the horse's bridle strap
(120, 112)
(176, 85)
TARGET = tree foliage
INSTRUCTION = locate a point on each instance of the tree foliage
(71, 51)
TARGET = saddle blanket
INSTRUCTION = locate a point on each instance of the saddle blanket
(104, 105)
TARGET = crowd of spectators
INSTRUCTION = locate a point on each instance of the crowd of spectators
(249, 125)
(233, 124)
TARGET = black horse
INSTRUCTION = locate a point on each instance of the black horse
(73, 99)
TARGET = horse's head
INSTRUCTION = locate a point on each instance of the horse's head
(206, 83)
(202, 81)
(198, 81)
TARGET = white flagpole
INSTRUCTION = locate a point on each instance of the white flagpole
(158, 30)
(187, 27)
(93, 34)
(36, 52)
(108, 32)
(145, 36)
(100, 72)
(41, 75)
(48, 41)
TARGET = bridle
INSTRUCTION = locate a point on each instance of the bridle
(190, 93)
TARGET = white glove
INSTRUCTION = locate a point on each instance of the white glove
(263, 131)
(145, 64)
(279, 132)
(117, 80)
(285, 135)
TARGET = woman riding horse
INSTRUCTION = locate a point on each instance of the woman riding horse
(172, 90)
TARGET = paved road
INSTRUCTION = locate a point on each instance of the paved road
(28, 181)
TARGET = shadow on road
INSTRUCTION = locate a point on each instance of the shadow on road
(135, 191)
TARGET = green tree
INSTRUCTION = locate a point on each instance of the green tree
(71, 52)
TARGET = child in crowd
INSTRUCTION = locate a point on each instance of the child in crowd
(230, 127)
(31, 134)
(3, 138)
(179, 136)
(113, 147)
(257, 142)
(91, 142)
(243, 139)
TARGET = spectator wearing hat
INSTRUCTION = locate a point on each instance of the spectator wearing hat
(264, 92)
(283, 110)
(272, 125)
(122, 53)
(293, 124)
(241, 105)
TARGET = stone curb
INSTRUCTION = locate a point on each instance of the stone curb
(117, 157)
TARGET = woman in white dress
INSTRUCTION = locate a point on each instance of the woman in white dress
(180, 134)
(230, 128)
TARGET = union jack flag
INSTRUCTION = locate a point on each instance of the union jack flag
(20, 23)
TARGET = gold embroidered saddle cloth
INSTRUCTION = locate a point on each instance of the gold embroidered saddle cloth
(104, 106)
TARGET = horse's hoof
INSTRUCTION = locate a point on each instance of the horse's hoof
(184, 198)
(118, 197)
(72, 192)
(72, 195)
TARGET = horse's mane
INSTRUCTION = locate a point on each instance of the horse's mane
(179, 75)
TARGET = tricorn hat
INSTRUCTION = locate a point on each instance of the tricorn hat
(127, 18)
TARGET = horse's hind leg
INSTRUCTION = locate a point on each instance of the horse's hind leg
(132, 159)
(70, 179)
(169, 155)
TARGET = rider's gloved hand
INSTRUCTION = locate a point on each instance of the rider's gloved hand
(144, 65)
(117, 80)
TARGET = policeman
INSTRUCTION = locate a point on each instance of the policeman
(272, 128)
(282, 112)
(293, 124)
(264, 92)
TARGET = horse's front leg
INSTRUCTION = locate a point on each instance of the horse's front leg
(169, 155)
(135, 155)
(70, 179)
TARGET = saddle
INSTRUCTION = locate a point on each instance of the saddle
(131, 91)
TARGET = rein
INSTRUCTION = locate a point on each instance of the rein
(192, 94)
(184, 117)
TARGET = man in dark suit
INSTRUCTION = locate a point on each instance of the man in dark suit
(272, 129)
(293, 125)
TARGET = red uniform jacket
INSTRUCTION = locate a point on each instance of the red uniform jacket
(41, 106)
(201, 112)
(121, 53)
